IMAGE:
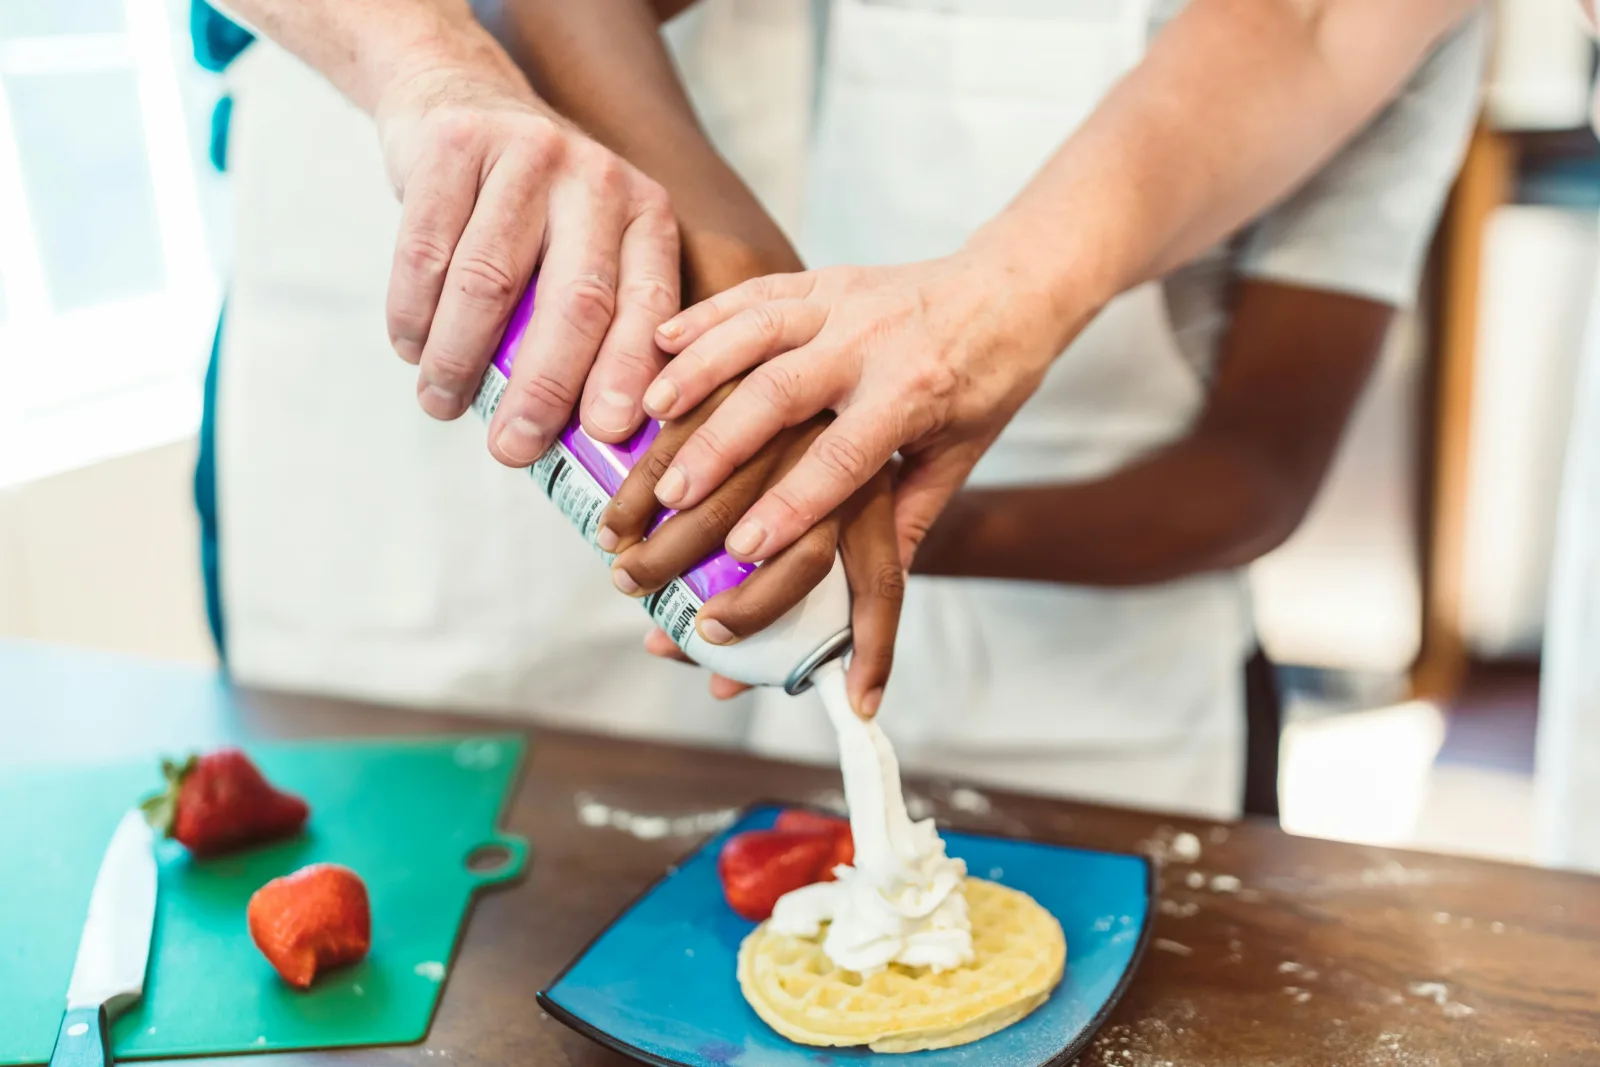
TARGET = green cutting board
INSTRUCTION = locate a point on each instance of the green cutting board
(405, 815)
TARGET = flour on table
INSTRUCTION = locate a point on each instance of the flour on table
(1439, 993)
(645, 827)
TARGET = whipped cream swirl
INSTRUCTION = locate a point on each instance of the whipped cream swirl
(902, 900)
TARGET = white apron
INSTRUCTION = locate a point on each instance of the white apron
(1568, 776)
(368, 551)
(930, 122)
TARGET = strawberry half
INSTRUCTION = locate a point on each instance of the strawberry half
(219, 802)
(806, 821)
(311, 921)
(759, 866)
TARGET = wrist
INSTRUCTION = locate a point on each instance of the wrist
(714, 259)
(954, 541)
(438, 54)
(1060, 284)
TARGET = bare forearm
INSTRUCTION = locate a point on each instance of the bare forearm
(602, 63)
(1195, 507)
(1235, 104)
(365, 46)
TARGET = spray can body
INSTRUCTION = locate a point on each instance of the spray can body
(580, 475)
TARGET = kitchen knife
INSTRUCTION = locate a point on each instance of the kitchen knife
(114, 947)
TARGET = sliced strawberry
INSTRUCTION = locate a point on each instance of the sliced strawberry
(802, 820)
(220, 801)
(311, 921)
(758, 867)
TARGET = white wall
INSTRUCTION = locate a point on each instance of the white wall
(107, 557)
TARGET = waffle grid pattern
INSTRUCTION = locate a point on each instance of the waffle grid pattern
(1019, 956)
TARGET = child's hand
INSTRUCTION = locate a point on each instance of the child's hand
(862, 531)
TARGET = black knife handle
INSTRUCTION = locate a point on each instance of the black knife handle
(82, 1041)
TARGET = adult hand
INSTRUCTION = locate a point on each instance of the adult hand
(862, 531)
(931, 359)
(493, 183)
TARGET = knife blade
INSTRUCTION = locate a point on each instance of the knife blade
(114, 947)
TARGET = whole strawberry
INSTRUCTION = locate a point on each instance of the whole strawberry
(311, 921)
(219, 802)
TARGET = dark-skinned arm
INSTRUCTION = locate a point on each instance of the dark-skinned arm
(603, 65)
(1293, 364)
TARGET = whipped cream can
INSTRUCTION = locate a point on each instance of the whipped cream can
(580, 475)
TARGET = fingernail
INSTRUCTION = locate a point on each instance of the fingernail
(714, 632)
(607, 539)
(612, 411)
(659, 398)
(437, 400)
(624, 581)
(521, 441)
(870, 702)
(671, 487)
(669, 330)
(746, 537)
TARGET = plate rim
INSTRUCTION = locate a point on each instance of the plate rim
(1066, 1056)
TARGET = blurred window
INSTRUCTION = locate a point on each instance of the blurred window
(108, 283)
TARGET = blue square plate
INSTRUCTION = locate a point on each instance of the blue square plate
(658, 983)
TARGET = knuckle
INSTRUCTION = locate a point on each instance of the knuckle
(630, 362)
(767, 321)
(655, 205)
(776, 385)
(935, 380)
(839, 455)
(587, 305)
(783, 501)
(654, 465)
(408, 325)
(716, 516)
(653, 293)
(711, 444)
(914, 531)
(546, 391)
(760, 288)
(448, 367)
(423, 255)
(816, 554)
(486, 278)
(642, 565)
(542, 143)
(455, 130)
(888, 583)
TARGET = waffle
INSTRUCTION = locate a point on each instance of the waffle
(1019, 953)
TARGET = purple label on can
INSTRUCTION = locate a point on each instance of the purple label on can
(609, 464)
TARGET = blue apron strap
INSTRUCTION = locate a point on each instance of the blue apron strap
(217, 42)
(217, 39)
(205, 497)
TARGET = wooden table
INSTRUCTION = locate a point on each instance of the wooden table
(1270, 949)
